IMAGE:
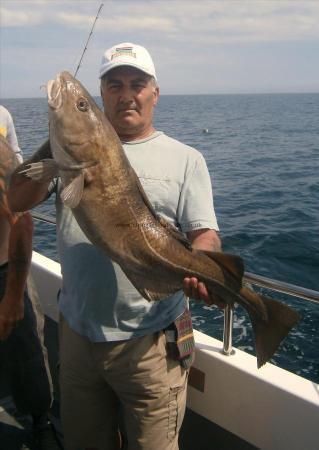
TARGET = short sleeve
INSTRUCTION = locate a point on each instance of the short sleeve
(12, 138)
(196, 206)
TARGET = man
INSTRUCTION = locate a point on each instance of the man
(21, 352)
(115, 348)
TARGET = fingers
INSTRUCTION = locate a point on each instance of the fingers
(203, 294)
(197, 291)
(191, 288)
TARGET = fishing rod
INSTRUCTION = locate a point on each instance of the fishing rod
(91, 32)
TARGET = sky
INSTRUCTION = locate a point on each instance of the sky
(198, 46)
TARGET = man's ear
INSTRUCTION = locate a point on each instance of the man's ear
(101, 94)
(156, 95)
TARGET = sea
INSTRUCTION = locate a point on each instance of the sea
(262, 152)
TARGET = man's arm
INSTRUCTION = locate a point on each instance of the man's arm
(24, 193)
(19, 260)
(203, 239)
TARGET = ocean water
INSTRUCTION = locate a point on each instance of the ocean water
(262, 153)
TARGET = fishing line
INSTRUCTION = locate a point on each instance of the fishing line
(91, 32)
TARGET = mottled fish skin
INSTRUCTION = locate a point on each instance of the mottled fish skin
(115, 215)
(114, 212)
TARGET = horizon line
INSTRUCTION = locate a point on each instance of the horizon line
(206, 94)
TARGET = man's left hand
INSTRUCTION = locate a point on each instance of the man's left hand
(197, 290)
(202, 239)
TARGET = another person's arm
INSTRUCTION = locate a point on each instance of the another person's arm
(24, 193)
(19, 260)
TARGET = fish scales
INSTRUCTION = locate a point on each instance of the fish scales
(111, 208)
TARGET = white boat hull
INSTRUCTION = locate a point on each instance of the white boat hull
(269, 408)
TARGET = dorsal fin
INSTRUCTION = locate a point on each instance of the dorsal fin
(232, 263)
(175, 232)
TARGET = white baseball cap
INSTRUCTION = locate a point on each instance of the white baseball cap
(127, 54)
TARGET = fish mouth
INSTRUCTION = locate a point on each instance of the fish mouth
(54, 91)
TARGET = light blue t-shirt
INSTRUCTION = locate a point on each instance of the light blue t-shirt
(97, 299)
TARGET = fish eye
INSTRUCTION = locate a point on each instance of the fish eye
(82, 104)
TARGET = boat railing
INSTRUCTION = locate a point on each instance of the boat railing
(249, 278)
(273, 285)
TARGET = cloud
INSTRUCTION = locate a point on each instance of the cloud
(244, 21)
(129, 23)
(207, 40)
(218, 21)
(14, 18)
(74, 19)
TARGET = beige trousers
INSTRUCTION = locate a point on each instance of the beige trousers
(132, 382)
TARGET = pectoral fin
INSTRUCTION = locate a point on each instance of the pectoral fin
(44, 170)
(72, 193)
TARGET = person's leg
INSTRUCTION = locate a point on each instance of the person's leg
(30, 380)
(40, 322)
(89, 407)
(151, 387)
(30, 385)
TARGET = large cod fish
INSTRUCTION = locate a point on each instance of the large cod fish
(113, 211)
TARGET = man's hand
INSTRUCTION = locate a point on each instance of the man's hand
(11, 313)
(202, 239)
(197, 290)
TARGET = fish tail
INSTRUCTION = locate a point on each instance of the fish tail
(271, 329)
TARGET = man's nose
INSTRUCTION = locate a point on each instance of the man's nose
(126, 94)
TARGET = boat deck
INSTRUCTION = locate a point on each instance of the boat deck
(16, 428)
(16, 434)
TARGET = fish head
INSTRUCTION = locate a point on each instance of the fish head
(76, 134)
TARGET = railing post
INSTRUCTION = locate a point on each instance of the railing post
(228, 331)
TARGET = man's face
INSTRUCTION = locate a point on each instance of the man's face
(129, 96)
